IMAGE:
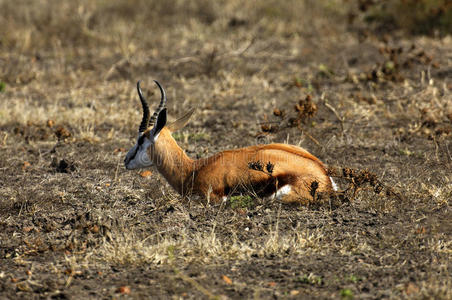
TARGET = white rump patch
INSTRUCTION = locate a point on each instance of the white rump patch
(335, 187)
(281, 192)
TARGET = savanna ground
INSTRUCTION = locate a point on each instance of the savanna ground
(75, 224)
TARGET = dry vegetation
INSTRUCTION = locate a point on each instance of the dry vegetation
(75, 223)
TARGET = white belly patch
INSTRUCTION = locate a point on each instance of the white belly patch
(281, 192)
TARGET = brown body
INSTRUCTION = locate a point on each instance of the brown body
(229, 172)
(285, 172)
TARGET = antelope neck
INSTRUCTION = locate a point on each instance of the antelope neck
(172, 161)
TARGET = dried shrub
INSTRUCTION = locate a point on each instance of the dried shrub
(259, 166)
(397, 60)
(413, 16)
(359, 179)
(305, 109)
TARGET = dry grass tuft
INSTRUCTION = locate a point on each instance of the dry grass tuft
(199, 247)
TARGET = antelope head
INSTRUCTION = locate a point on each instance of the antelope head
(148, 132)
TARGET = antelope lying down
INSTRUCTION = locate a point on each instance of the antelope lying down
(285, 172)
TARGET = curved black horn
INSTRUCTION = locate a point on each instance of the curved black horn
(146, 112)
(162, 104)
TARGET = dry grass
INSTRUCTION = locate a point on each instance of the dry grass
(207, 247)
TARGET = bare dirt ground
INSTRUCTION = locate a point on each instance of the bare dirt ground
(75, 224)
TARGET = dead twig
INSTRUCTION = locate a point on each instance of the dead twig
(341, 119)
(312, 138)
(358, 178)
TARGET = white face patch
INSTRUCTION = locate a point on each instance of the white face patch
(137, 157)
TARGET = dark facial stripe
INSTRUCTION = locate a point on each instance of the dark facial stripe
(141, 140)
(134, 154)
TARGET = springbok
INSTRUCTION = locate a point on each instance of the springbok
(285, 172)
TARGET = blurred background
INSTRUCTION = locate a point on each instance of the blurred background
(77, 53)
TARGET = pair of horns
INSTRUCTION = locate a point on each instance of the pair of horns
(147, 120)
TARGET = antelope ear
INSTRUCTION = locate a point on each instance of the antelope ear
(161, 122)
(181, 122)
